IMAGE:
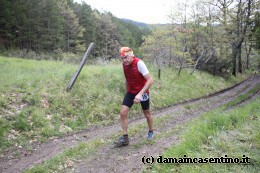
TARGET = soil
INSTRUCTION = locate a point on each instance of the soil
(129, 158)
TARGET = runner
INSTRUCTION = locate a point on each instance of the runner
(138, 82)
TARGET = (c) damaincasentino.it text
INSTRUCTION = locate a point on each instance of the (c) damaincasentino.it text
(185, 159)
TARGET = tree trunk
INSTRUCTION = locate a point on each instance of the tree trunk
(248, 51)
(179, 72)
(234, 59)
(239, 60)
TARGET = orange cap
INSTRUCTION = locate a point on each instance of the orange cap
(126, 51)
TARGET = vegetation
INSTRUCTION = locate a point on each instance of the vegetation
(219, 37)
(35, 105)
(216, 134)
(63, 26)
(214, 36)
(195, 55)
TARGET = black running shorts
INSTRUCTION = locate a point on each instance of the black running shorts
(129, 100)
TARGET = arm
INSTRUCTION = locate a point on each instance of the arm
(148, 84)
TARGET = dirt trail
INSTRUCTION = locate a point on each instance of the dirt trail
(127, 159)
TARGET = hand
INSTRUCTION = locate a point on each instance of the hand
(137, 98)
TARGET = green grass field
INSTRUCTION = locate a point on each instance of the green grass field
(35, 106)
(218, 133)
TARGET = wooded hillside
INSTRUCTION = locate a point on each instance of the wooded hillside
(218, 36)
(63, 26)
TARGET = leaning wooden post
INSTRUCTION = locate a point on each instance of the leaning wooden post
(159, 73)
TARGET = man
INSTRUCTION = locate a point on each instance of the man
(138, 82)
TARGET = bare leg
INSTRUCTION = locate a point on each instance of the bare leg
(149, 118)
(124, 120)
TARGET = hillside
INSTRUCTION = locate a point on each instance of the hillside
(43, 125)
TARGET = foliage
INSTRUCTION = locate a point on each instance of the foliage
(256, 30)
(47, 26)
(209, 37)
(39, 25)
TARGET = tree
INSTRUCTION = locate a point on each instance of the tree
(106, 37)
(235, 20)
(256, 27)
(87, 21)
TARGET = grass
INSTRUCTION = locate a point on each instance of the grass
(34, 105)
(203, 132)
(242, 97)
(173, 89)
(88, 149)
(68, 158)
(216, 134)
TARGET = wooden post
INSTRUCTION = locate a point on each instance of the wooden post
(159, 73)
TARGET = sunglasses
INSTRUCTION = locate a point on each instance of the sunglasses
(124, 57)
